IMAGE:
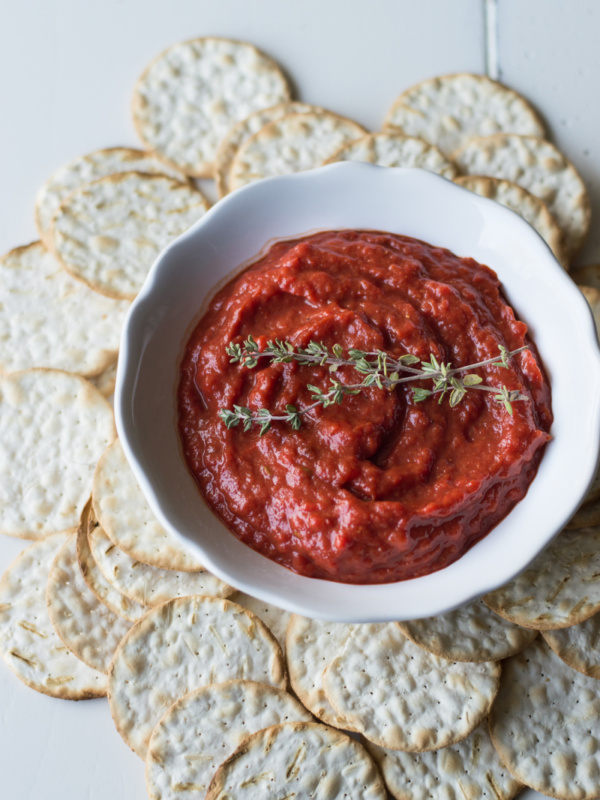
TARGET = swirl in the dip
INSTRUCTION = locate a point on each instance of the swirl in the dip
(379, 488)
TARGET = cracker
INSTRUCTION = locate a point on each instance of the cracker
(28, 642)
(90, 629)
(301, 760)
(237, 135)
(396, 150)
(402, 697)
(578, 646)
(310, 646)
(587, 276)
(125, 516)
(545, 725)
(586, 516)
(276, 619)
(526, 205)
(450, 109)
(117, 602)
(180, 646)
(148, 585)
(292, 144)
(204, 728)
(189, 97)
(53, 428)
(470, 769)
(106, 381)
(540, 168)
(109, 233)
(87, 169)
(560, 588)
(470, 633)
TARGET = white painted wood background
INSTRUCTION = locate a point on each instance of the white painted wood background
(67, 68)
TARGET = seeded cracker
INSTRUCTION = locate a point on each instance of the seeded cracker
(244, 130)
(545, 725)
(298, 760)
(87, 169)
(109, 233)
(292, 144)
(531, 208)
(147, 585)
(578, 646)
(194, 92)
(541, 169)
(449, 110)
(470, 769)
(402, 697)
(276, 619)
(53, 428)
(180, 646)
(310, 647)
(204, 728)
(125, 517)
(470, 633)
(396, 150)
(559, 589)
(28, 642)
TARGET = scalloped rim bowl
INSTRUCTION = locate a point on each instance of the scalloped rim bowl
(354, 195)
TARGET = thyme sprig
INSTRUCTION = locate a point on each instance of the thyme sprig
(379, 369)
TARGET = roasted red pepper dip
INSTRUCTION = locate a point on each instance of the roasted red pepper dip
(380, 488)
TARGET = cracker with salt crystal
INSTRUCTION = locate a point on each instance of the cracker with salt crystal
(470, 769)
(189, 97)
(148, 585)
(298, 759)
(87, 169)
(180, 646)
(540, 168)
(545, 725)
(450, 109)
(560, 588)
(276, 619)
(109, 233)
(53, 428)
(28, 642)
(125, 516)
(578, 645)
(472, 632)
(402, 697)
(205, 727)
(292, 144)
(396, 150)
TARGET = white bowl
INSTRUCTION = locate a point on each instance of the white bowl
(353, 195)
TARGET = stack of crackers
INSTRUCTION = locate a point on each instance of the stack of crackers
(222, 695)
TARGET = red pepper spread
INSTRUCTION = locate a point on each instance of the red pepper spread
(380, 488)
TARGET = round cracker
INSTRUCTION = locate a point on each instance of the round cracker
(298, 759)
(276, 619)
(540, 168)
(125, 516)
(560, 588)
(292, 144)
(545, 725)
(148, 585)
(205, 727)
(90, 629)
(470, 769)
(109, 233)
(87, 169)
(106, 381)
(470, 633)
(189, 97)
(578, 646)
(49, 319)
(310, 646)
(531, 208)
(237, 135)
(28, 642)
(396, 150)
(587, 276)
(180, 646)
(118, 603)
(402, 697)
(450, 109)
(53, 428)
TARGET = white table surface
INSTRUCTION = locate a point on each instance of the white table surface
(67, 68)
